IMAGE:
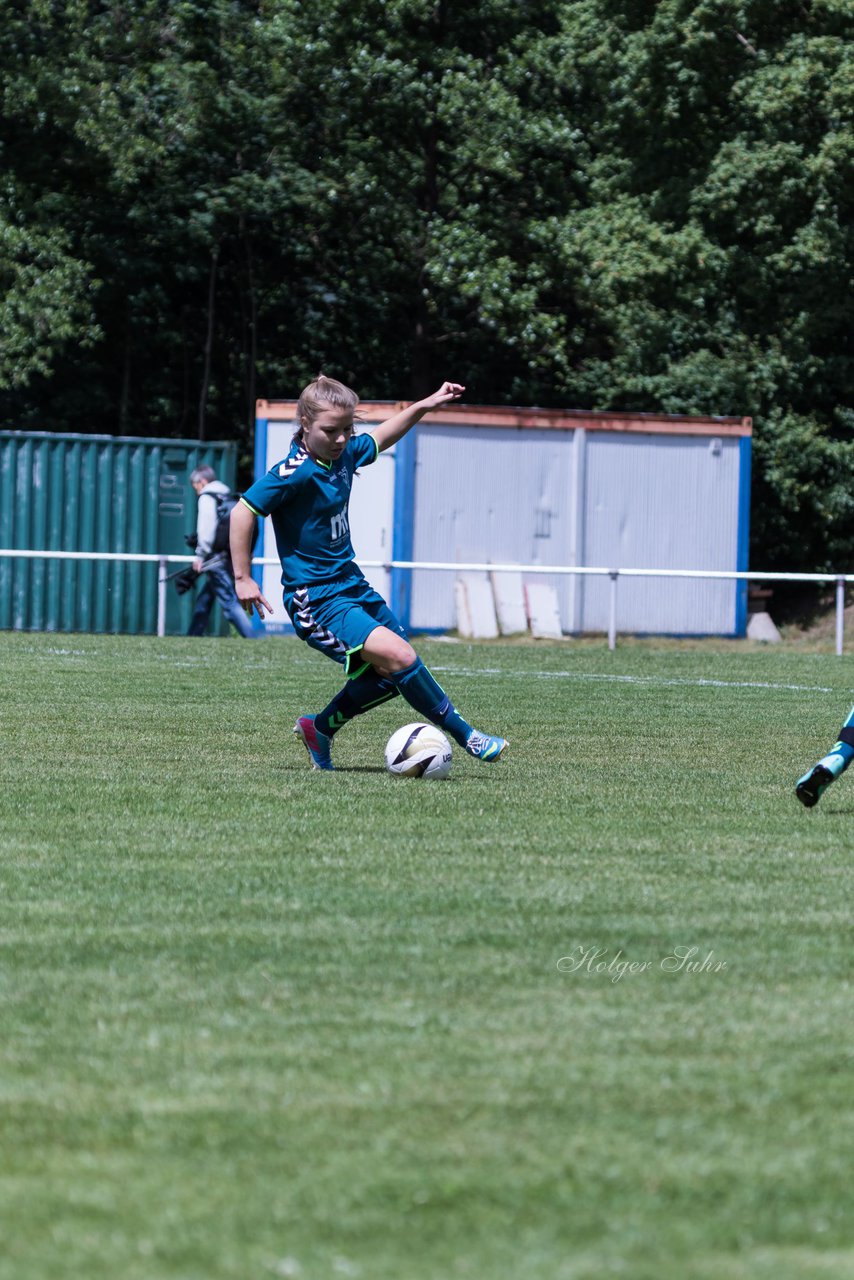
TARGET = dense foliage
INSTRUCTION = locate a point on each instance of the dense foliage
(587, 204)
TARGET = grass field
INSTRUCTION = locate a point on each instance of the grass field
(259, 1022)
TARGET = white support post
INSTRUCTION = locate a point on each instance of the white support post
(613, 574)
(161, 596)
(577, 549)
(840, 614)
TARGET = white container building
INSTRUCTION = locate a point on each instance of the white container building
(549, 487)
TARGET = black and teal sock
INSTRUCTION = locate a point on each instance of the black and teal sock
(358, 695)
(427, 697)
(841, 753)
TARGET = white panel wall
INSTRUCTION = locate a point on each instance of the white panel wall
(656, 501)
(605, 499)
(488, 493)
(372, 518)
(562, 497)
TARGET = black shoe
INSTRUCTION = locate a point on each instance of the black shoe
(811, 787)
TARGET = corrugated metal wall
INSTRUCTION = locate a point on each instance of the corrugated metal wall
(96, 493)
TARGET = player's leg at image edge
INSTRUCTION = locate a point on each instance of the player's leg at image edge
(360, 694)
(368, 690)
(811, 787)
(423, 694)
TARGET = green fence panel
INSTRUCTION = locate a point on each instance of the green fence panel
(100, 494)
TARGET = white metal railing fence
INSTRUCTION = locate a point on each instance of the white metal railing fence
(840, 579)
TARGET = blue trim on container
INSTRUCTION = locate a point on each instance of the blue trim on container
(261, 469)
(743, 546)
(260, 458)
(403, 526)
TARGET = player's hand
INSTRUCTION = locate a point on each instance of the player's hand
(447, 393)
(249, 595)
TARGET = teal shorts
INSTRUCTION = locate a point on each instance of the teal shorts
(336, 618)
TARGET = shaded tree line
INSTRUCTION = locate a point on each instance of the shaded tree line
(637, 206)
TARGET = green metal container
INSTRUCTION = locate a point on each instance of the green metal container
(98, 494)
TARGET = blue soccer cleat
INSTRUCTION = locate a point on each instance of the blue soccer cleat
(811, 787)
(484, 747)
(317, 744)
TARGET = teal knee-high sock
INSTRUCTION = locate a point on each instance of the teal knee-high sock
(423, 693)
(841, 753)
(367, 690)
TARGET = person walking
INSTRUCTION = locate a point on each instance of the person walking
(214, 565)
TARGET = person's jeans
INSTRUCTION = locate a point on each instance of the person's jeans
(219, 585)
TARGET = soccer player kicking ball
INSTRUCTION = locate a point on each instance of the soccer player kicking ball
(811, 787)
(328, 600)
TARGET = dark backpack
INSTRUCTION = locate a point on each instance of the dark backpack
(225, 504)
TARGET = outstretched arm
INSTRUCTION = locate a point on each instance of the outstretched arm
(241, 529)
(390, 431)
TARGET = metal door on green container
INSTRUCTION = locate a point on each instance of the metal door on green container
(176, 517)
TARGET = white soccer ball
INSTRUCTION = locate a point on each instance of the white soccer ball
(418, 751)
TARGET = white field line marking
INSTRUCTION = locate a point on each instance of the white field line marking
(202, 661)
(654, 680)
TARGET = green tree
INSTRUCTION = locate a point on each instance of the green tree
(170, 173)
(46, 301)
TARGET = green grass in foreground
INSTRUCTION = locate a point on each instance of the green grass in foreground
(256, 1021)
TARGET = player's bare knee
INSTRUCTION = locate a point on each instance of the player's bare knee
(388, 653)
(402, 658)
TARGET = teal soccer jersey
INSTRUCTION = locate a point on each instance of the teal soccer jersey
(307, 502)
